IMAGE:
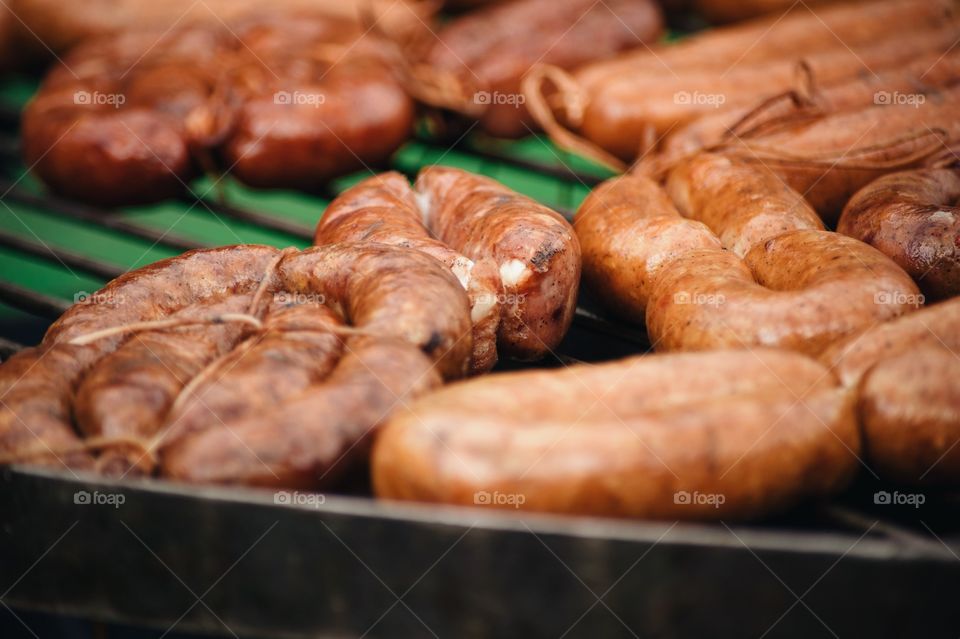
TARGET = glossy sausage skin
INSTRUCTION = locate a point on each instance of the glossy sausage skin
(128, 392)
(905, 375)
(134, 117)
(829, 186)
(535, 249)
(410, 312)
(37, 383)
(384, 209)
(490, 50)
(913, 218)
(416, 322)
(316, 100)
(721, 435)
(796, 286)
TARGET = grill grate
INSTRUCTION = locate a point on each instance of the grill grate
(51, 249)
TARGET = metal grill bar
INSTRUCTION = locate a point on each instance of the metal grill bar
(263, 220)
(107, 219)
(31, 302)
(66, 256)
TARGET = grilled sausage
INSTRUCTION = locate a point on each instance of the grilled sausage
(536, 250)
(796, 286)
(318, 100)
(128, 392)
(904, 373)
(727, 434)
(410, 315)
(384, 209)
(849, 150)
(295, 345)
(37, 384)
(912, 81)
(415, 318)
(621, 105)
(489, 50)
(60, 27)
(287, 101)
(912, 217)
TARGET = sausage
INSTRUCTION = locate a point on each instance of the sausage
(536, 250)
(318, 101)
(297, 450)
(295, 345)
(849, 150)
(384, 209)
(623, 110)
(908, 406)
(128, 392)
(796, 285)
(416, 325)
(409, 314)
(106, 136)
(621, 105)
(489, 50)
(720, 435)
(630, 230)
(720, 11)
(133, 117)
(912, 82)
(744, 205)
(37, 384)
(912, 217)
(61, 27)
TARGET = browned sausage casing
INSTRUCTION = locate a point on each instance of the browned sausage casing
(796, 286)
(535, 249)
(37, 384)
(385, 209)
(490, 50)
(727, 434)
(913, 218)
(905, 375)
(286, 101)
(411, 328)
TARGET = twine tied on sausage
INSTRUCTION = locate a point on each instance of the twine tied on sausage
(147, 447)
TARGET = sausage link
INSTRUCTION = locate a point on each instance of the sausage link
(37, 384)
(294, 351)
(912, 217)
(629, 230)
(535, 249)
(744, 205)
(311, 438)
(128, 392)
(904, 373)
(796, 286)
(756, 431)
(384, 209)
